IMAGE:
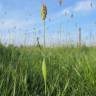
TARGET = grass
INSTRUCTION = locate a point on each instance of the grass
(70, 71)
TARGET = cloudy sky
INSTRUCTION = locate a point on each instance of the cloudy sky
(20, 21)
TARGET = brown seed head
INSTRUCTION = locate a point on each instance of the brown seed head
(43, 12)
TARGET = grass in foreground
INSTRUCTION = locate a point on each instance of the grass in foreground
(70, 71)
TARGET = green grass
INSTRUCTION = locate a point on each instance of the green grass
(70, 71)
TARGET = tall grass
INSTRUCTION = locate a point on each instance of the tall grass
(44, 68)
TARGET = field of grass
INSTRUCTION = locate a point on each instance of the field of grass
(70, 71)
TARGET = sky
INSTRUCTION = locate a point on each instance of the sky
(20, 21)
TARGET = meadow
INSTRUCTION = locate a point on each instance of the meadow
(70, 71)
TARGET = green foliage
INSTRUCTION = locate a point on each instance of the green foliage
(44, 72)
(70, 71)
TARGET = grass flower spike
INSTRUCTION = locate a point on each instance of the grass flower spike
(43, 12)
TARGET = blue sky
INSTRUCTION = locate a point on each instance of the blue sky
(20, 21)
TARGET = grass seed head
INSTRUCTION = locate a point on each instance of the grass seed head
(43, 12)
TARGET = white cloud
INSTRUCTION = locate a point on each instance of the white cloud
(85, 5)
(11, 23)
(81, 6)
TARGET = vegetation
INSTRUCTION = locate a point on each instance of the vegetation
(70, 71)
